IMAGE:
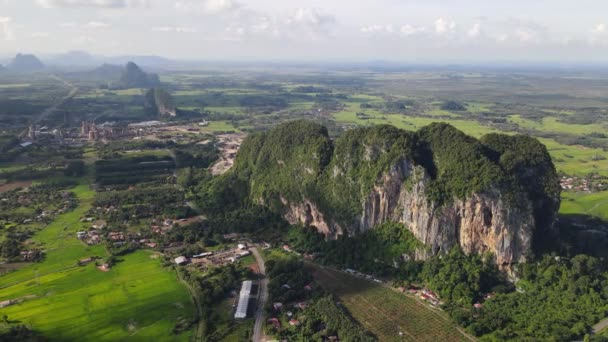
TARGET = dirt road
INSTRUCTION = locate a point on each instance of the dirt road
(259, 314)
(600, 326)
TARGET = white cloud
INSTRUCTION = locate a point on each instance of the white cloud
(93, 3)
(82, 40)
(236, 30)
(600, 28)
(474, 31)
(444, 26)
(96, 25)
(207, 6)
(377, 29)
(40, 35)
(309, 17)
(6, 31)
(408, 30)
(405, 30)
(175, 29)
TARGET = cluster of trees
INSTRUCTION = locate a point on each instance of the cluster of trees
(20, 206)
(211, 288)
(156, 195)
(559, 299)
(149, 168)
(384, 250)
(462, 279)
(288, 277)
(132, 204)
(195, 155)
(453, 106)
(324, 319)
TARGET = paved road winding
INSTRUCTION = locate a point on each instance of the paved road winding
(259, 314)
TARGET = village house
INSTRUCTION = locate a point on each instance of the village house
(181, 260)
(275, 322)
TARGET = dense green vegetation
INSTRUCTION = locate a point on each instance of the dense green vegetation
(378, 251)
(560, 299)
(325, 312)
(298, 161)
(133, 170)
(305, 160)
(321, 317)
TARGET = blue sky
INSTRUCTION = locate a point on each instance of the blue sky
(400, 30)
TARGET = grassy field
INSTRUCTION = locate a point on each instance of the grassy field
(386, 313)
(137, 299)
(595, 204)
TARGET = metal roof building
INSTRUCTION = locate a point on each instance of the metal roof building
(241, 309)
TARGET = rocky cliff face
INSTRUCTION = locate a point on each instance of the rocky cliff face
(159, 103)
(496, 195)
(480, 223)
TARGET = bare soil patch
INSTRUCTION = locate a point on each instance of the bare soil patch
(14, 185)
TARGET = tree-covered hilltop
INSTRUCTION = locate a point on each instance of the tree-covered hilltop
(134, 77)
(298, 160)
(496, 194)
(24, 63)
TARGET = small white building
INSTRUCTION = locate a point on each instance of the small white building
(241, 309)
(181, 260)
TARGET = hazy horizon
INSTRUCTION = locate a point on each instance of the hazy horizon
(408, 31)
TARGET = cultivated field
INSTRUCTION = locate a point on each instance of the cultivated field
(137, 299)
(386, 313)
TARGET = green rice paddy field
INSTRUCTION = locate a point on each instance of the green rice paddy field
(136, 300)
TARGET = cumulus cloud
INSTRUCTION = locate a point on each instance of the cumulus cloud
(600, 28)
(309, 17)
(6, 31)
(96, 25)
(92, 3)
(174, 29)
(389, 29)
(40, 35)
(408, 30)
(377, 29)
(207, 6)
(444, 26)
(474, 31)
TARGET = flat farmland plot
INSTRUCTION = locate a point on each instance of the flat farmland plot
(386, 313)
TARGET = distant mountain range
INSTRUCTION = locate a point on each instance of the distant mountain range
(84, 59)
(25, 63)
